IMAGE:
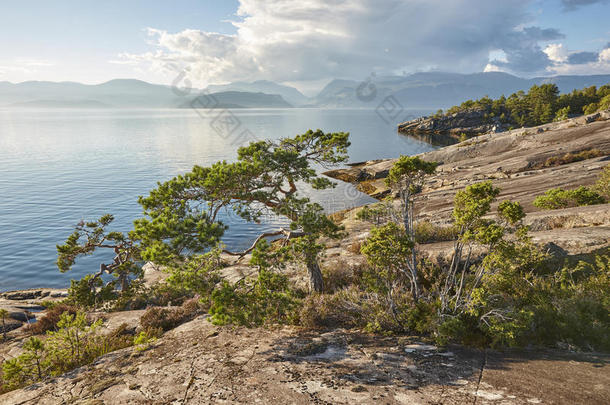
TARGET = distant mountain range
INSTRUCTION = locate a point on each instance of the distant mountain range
(431, 90)
(120, 93)
(435, 90)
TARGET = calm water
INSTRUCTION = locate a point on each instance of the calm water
(58, 167)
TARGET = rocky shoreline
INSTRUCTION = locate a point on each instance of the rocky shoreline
(202, 363)
(471, 122)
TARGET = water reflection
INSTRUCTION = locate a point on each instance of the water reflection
(60, 166)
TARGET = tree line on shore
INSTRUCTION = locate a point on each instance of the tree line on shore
(541, 104)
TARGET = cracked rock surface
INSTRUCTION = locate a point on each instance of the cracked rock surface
(199, 363)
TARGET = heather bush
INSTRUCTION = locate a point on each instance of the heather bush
(50, 319)
(570, 157)
(169, 318)
(340, 275)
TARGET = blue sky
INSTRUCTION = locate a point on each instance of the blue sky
(77, 38)
(586, 27)
(301, 42)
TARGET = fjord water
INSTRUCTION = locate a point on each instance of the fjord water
(58, 167)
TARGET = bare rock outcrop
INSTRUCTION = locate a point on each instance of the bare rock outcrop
(517, 162)
(199, 363)
(471, 122)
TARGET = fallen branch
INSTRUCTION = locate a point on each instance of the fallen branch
(287, 233)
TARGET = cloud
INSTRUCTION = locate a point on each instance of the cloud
(523, 51)
(308, 40)
(604, 55)
(557, 53)
(577, 62)
(579, 58)
(571, 5)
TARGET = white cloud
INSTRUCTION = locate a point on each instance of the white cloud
(566, 62)
(310, 40)
(556, 53)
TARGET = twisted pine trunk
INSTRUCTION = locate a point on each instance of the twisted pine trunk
(316, 282)
(408, 221)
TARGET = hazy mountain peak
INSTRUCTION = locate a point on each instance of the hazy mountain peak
(288, 93)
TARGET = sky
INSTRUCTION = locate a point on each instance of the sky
(305, 43)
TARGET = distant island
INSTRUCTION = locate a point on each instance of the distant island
(237, 99)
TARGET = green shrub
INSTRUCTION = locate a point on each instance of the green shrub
(516, 307)
(160, 295)
(557, 198)
(143, 341)
(29, 367)
(199, 275)
(74, 344)
(553, 199)
(604, 103)
(90, 292)
(377, 214)
(562, 114)
(602, 186)
(591, 108)
(585, 196)
(267, 299)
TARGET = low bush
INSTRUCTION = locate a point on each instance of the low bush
(143, 341)
(160, 294)
(74, 344)
(558, 198)
(377, 214)
(570, 158)
(266, 300)
(354, 307)
(427, 232)
(50, 319)
(602, 186)
(90, 292)
(566, 308)
(340, 274)
(169, 318)
(341, 309)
